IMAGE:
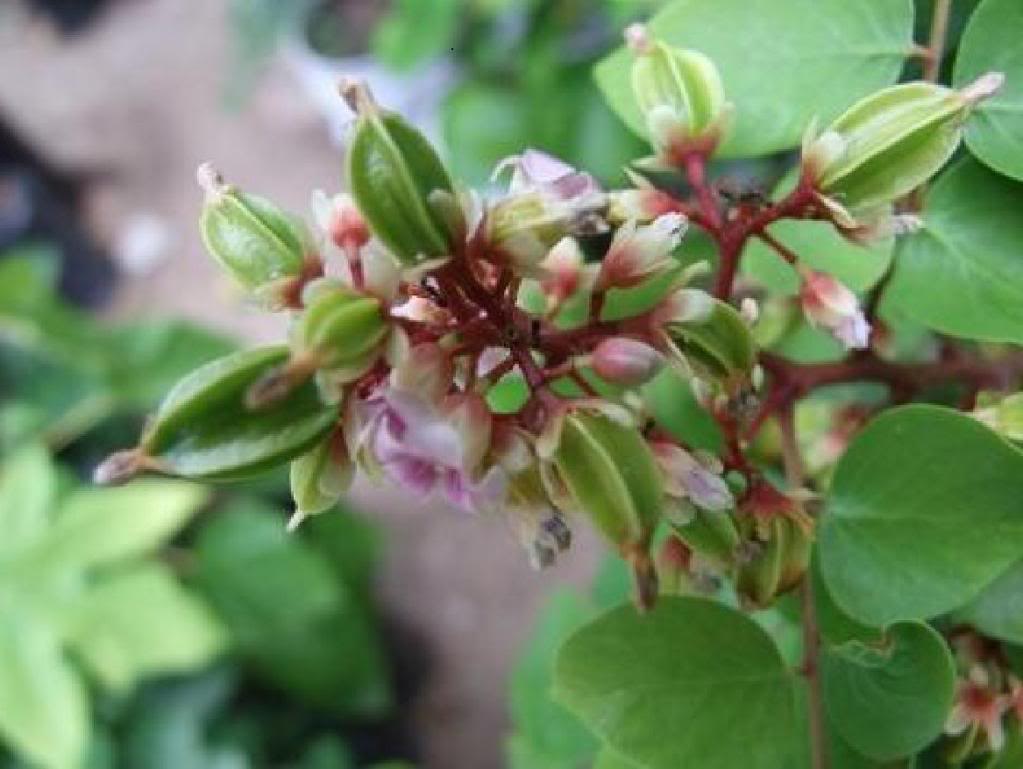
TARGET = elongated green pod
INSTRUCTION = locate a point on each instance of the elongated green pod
(393, 172)
(255, 241)
(891, 142)
(204, 430)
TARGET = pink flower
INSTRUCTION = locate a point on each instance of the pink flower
(425, 449)
(829, 305)
(697, 479)
(978, 706)
(536, 170)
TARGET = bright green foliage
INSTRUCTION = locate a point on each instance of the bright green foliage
(961, 274)
(762, 47)
(991, 42)
(889, 698)
(924, 511)
(705, 669)
(68, 373)
(77, 578)
(304, 629)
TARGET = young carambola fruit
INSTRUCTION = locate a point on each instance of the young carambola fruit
(258, 243)
(719, 342)
(339, 328)
(394, 173)
(679, 92)
(890, 142)
(612, 476)
(203, 428)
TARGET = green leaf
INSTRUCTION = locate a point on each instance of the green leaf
(546, 732)
(99, 526)
(469, 114)
(407, 36)
(141, 622)
(998, 610)
(608, 759)
(27, 487)
(923, 512)
(819, 246)
(673, 405)
(836, 627)
(889, 699)
(990, 42)
(783, 62)
(290, 614)
(44, 710)
(961, 274)
(692, 683)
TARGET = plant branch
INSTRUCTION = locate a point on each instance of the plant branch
(811, 632)
(936, 41)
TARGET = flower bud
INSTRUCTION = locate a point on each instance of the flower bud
(565, 274)
(638, 252)
(624, 361)
(608, 472)
(829, 305)
(260, 245)
(890, 142)
(680, 94)
(393, 173)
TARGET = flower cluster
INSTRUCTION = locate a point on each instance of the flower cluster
(493, 349)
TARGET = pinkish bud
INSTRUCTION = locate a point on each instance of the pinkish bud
(829, 305)
(626, 361)
(565, 273)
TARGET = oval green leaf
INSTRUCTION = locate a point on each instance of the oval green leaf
(998, 610)
(694, 683)
(783, 62)
(962, 274)
(990, 42)
(889, 699)
(924, 510)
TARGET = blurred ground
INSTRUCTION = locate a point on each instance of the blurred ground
(140, 98)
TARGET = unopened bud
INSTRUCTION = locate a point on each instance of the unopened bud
(625, 361)
(829, 305)
(680, 94)
(638, 252)
(257, 243)
(890, 142)
(393, 171)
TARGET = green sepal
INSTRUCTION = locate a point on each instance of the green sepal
(320, 476)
